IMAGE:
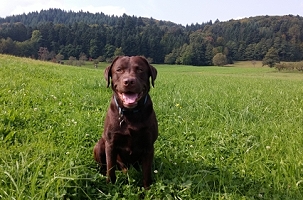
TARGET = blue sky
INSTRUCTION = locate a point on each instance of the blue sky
(178, 11)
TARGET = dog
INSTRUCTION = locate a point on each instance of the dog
(130, 127)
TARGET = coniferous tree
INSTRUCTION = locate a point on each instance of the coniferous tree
(71, 33)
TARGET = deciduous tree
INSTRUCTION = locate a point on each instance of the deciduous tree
(43, 53)
(271, 58)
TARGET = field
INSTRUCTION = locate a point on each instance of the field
(224, 133)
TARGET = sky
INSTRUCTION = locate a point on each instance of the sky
(177, 11)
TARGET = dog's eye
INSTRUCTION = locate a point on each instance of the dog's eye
(119, 70)
(139, 70)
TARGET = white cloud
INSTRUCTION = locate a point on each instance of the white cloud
(15, 7)
(6, 8)
(237, 18)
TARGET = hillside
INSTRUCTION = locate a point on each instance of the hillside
(101, 36)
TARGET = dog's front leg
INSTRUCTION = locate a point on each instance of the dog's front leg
(147, 168)
(111, 161)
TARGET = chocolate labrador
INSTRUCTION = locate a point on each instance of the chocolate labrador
(131, 127)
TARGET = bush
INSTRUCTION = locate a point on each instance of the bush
(219, 59)
(290, 66)
(299, 67)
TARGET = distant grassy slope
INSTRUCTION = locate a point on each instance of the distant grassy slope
(225, 133)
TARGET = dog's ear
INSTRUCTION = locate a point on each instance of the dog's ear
(152, 71)
(153, 74)
(108, 73)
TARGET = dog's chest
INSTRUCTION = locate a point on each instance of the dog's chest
(132, 142)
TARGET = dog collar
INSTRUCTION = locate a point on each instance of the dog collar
(123, 111)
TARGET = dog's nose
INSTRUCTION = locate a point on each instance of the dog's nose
(128, 81)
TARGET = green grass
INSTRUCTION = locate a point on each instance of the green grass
(224, 133)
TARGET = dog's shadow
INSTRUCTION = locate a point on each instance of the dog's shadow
(172, 177)
(179, 175)
(200, 178)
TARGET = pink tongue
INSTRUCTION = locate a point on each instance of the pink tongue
(129, 98)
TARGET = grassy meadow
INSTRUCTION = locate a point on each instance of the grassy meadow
(224, 133)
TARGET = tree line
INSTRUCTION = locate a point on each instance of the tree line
(62, 34)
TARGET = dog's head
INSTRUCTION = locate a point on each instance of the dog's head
(130, 79)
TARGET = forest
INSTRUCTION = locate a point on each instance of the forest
(56, 34)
